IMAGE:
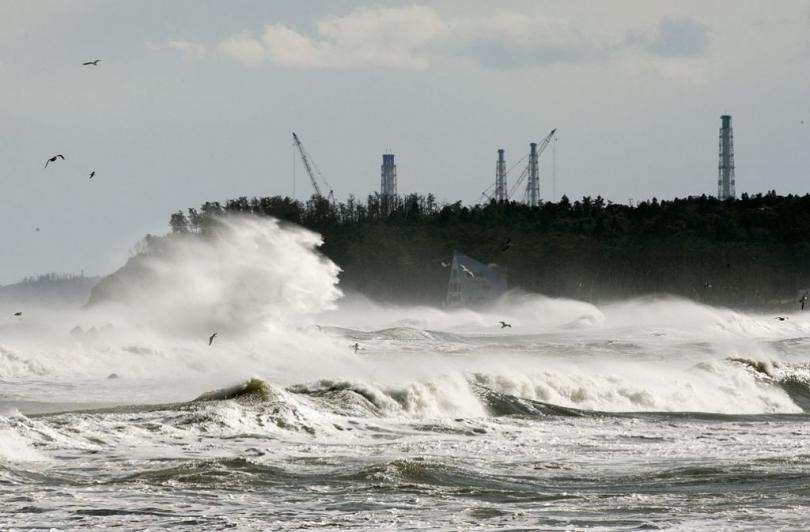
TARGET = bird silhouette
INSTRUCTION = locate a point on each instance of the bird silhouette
(504, 324)
(95, 62)
(19, 314)
(444, 264)
(211, 339)
(53, 159)
(92, 174)
(782, 318)
(506, 245)
(467, 271)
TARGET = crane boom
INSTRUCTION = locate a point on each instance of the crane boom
(544, 144)
(541, 147)
(307, 164)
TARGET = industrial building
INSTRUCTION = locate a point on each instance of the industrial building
(473, 283)
(725, 172)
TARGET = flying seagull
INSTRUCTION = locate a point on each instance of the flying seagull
(467, 271)
(92, 174)
(444, 264)
(782, 318)
(506, 245)
(211, 339)
(18, 314)
(94, 63)
(504, 324)
(53, 159)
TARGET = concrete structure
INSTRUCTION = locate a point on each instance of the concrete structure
(473, 283)
(725, 173)
(388, 180)
(501, 190)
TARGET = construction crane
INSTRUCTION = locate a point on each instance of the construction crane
(312, 170)
(533, 185)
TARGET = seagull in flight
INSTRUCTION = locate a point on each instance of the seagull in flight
(53, 159)
(506, 245)
(94, 62)
(92, 174)
(467, 271)
(18, 314)
(505, 325)
(211, 339)
(444, 264)
(782, 318)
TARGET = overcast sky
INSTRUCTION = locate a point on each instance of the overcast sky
(196, 100)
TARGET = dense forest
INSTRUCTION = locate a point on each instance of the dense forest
(753, 251)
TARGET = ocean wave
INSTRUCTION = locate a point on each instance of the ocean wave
(14, 448)
(794, 379)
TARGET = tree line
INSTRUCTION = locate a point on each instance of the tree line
(752, 251)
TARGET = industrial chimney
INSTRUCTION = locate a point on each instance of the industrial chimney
(388, 181)
(501, 192)
(725, 173)
(533, 184)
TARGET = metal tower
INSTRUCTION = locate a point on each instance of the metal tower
(725, 173)
(388, 181)
(533, 183)
(501, 191)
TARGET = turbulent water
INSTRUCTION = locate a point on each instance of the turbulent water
(652, 413)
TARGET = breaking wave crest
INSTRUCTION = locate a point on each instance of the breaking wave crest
(275, 303)
(794, 379)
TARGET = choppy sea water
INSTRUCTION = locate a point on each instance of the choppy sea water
(577, 438)
(644, 414)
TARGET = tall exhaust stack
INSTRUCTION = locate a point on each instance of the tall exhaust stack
(501, 192)
(388, 181)
(725, 173)
(533, 184)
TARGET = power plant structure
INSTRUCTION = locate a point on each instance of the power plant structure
(531, 173)
(725, 171)
(533, 182)
(388, 177)
(501, 191)
(474, 283)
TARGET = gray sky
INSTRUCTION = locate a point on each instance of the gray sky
(195, 101)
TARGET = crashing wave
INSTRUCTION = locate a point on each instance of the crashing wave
(253, 391)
